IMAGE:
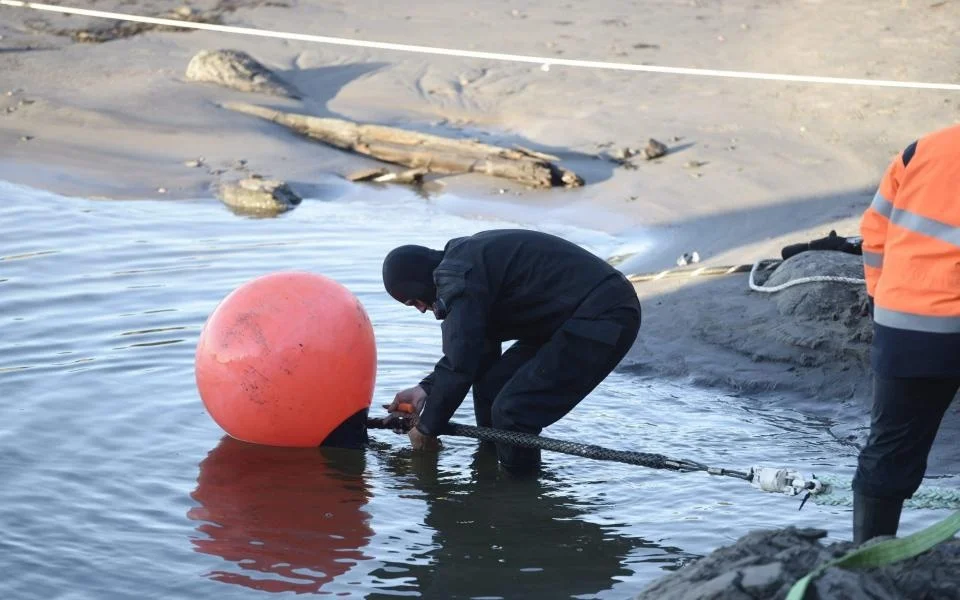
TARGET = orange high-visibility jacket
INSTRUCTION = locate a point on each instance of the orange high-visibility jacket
(911, 238)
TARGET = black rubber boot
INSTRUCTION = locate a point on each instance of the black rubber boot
(874, 517)
(519, 462)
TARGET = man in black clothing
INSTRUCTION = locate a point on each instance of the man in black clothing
(573, 317)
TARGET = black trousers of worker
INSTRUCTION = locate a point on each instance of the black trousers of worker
(905, 418)
(534, 384)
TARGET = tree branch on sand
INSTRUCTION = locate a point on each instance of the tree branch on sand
(422, 151)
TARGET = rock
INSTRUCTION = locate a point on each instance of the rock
(654, 149)
(722, 586)
(764, 565)
(237, 70)
(622, 156)
(258, 196)
(26, 138)
(762, 580)
(811, 533)
(688, 258)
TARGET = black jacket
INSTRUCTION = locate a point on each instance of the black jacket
(497, 286)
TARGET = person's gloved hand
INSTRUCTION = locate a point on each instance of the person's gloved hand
(831, 242)
(415, 397)
(400, 421)
(422, 441)
(405, 412)
(405, 408)
(835, 242)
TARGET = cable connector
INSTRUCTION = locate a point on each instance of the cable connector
(784, 481)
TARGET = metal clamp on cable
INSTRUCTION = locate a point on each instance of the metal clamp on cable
(785, 481)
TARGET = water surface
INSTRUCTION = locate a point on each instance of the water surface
(117, 484)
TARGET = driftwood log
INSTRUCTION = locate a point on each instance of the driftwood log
(415, 150)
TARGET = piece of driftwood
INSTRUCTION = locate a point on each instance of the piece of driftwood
(414, 176)
(410, 176)
(433, 153)
(367, 174)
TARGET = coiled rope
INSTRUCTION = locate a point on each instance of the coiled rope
(840, 493)
(793, 282)
(762, 265)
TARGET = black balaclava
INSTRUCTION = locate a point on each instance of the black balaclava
(408, 273)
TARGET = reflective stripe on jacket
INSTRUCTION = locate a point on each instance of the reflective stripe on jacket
(911, 238)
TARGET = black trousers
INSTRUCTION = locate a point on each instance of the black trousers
(905, 418)
(533, 385)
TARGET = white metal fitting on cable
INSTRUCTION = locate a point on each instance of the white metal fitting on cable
(785, 481)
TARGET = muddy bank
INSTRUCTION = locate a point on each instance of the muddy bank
(812, 339)
(764, 565)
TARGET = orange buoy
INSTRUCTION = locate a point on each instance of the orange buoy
(285, 359)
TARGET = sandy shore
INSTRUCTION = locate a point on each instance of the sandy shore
(753, 165)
